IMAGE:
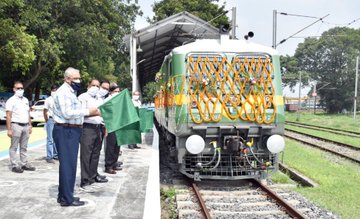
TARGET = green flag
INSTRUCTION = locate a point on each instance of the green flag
(146, 120)
(121, 116)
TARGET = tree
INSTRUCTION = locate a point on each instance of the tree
(204, 9)
(330, 60)
(40, 38)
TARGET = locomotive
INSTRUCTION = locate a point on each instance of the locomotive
(219, 101)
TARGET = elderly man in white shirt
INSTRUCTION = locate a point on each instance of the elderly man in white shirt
(18, 124)
(69, 117)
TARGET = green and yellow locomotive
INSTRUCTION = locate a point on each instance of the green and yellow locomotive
(221, 102)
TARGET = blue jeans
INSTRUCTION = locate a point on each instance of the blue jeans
(51, 151)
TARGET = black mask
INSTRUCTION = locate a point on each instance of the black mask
(75, 86)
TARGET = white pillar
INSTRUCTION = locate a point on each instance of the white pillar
(356, 83)
(133, 65)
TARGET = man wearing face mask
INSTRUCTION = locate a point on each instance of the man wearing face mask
(51, 152)
(69, 116)
(90, 142)
(18, 124)
(137, 103)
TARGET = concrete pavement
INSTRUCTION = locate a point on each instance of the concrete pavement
(33, 194)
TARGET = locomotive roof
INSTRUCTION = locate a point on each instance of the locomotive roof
(224, 45)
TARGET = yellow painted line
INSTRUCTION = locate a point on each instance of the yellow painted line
(38, 133)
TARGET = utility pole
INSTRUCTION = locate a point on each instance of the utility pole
(356, 82)
(299, 103)
(274, 28)
(233, 22)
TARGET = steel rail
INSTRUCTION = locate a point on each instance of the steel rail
(326, 140)
(281, 202)
(204, 210)
(325, 149)
(322, 127)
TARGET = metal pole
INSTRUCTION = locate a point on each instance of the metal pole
(133, 65)
(233, 22)
(315, 98)
(299, 103)
(356, 82)
(274, 28)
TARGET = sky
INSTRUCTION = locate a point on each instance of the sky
(257, 16)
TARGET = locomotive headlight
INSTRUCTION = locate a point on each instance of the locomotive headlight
(275, 144)
(195, 144)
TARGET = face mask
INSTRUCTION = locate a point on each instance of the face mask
(103, 92)
(75, 85)
(92, 91)
(136, 97)
(19, 93)
(53, 93)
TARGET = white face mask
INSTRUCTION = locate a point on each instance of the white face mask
(103, 92)
(53, 93)
(19, 93)
(92, 91)
(136, 97)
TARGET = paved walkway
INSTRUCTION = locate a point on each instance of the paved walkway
(129, 194)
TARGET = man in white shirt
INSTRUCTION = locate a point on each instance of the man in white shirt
(51, 152)
(18, 124)
(90, 138)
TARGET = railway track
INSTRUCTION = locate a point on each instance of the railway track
(327, 129)
(250, 200)
(349, 152)
(325, 140)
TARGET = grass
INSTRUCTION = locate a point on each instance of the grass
(339, 121)
(338, 178)
(168, 208)
(331, 136)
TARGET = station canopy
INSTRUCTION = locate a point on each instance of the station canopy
(154, 42)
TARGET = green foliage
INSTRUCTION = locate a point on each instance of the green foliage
(204, 9)
(330, 60)
(39, 39)
(149, 92)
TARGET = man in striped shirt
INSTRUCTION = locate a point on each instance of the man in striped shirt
(69, 116)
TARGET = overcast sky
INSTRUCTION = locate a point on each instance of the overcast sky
(257, 16)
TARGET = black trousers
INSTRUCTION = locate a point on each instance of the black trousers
(67, 144)
(112, 151)
(90, 147)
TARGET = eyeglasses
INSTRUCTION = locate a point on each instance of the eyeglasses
(19, 88)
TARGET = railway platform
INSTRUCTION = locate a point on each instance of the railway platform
(130, 194)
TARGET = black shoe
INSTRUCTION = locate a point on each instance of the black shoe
(17, 170)
(136, 147)
(117, 168)
(101, 176)
(75, 199)
(28, 168)
(110, 171)
(75, 203)
(119, 163)
(131, 146)
(84, 184)
(100, 180)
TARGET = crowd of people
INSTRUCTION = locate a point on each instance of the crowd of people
(71, 120)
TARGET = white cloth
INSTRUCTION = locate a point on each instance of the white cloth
(49, 105)
(19, 106)
(137, 103)
(67, 106)
(88, 101)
